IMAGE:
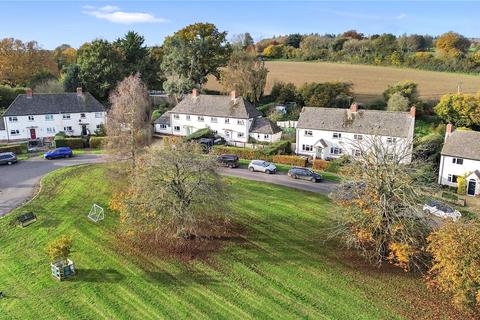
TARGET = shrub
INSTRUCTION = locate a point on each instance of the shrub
(290, 160)
(74, 143)
(319, 164)
(455, 248)
(243, 153)
(462, 185)
(202, 133)
(96, 142)
(15, 148)
(60, 249)
(334, 165)
(60, 134)
(279, 147)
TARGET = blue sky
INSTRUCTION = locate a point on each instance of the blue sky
(52, 23)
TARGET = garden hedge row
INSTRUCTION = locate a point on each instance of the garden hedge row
(319, 164)
(96, 142)
(290, 160)
(279, 147)
(242, 153)
(16, 148)
(74, 143)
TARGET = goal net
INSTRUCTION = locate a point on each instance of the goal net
(96, 213)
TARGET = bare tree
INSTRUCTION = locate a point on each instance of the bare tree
(379, 213)
(128, 121)
(175, 193)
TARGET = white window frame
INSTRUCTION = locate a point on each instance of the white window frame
(49, 117)
(356, 152)
(98, 115)
(458, 161)
(337, 135)
(307, 147)
(215, 131)
(51, 130)
(12, 119)
(213, 120)
(163, 126)
(31, 118)
(336, 151)
(452, 177)
(176, 116)
(266, 136)
(308, 133)
(66, 116)
(66, 129)
(176, 128)
(391, 140)
(227, 120)
(14, 132)
(240, 122)
(358, 137)
(240, 134)
(83, 115)
(187, 117)
(201, 119)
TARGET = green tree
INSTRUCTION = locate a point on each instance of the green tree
(293, 40)
(284, 92)
(408, 89)
(397, 102)
(101, 67)
(193, 53)
(462, 110)
(452, 44)
(60, 249)
(327, 94)
(246, 74)
(71, 78)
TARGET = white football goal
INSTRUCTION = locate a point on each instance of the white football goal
(96, 213)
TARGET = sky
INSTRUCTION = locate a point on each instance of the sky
(52, 23)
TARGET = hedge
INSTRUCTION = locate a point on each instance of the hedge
(279, 147)
(319, 164)
(15, 148)
(290, 160)
(74, 143)
(243, 153)
(202, 133)
(96, 142)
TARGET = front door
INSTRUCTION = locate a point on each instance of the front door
(472, 184)
(84, 129)
(33, 134)
(318, 152)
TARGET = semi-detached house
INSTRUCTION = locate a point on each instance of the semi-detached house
(42, 115)
(231, 117)
(460, 157)
(329, 133)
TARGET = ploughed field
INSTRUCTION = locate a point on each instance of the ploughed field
(369, 82)
(281, 268)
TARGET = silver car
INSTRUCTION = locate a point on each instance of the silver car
(262, 166)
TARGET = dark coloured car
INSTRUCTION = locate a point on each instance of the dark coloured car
(63, 152)
(304, 174)
(228, 160)
(8, 158)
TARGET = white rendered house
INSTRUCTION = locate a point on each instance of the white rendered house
(329, 133)
(231, 117)
(460, 157)
(42, 115)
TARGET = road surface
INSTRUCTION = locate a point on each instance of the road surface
(19, 181)
(281, 179)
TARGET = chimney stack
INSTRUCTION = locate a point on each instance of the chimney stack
(29, 93)
(449, 129)
(233, 95)
(413, 111)
(354, 107)
(194, 92)
(79, 91)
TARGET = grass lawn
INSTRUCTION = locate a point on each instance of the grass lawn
(283, 269)
(285, 167)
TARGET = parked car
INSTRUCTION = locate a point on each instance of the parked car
(8, 158)
(63, 152)
(441, 210)
(228, 160)
(262, 166)
(305, 174)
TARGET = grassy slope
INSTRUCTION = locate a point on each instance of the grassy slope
(284, 270)
(368, 81)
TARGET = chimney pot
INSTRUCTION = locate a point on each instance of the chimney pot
(29, 92)
(413, 111)
(194, 92)
(79, 91)
(233, 95)
(354, 107)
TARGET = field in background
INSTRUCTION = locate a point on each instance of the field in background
(369, 81)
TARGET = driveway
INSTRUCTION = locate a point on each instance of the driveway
(19, 181)
(280, 178)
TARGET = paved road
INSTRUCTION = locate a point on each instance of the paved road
(19, 181)
(280, 178)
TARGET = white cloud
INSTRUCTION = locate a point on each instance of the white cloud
(115, 15)
(401, 16)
